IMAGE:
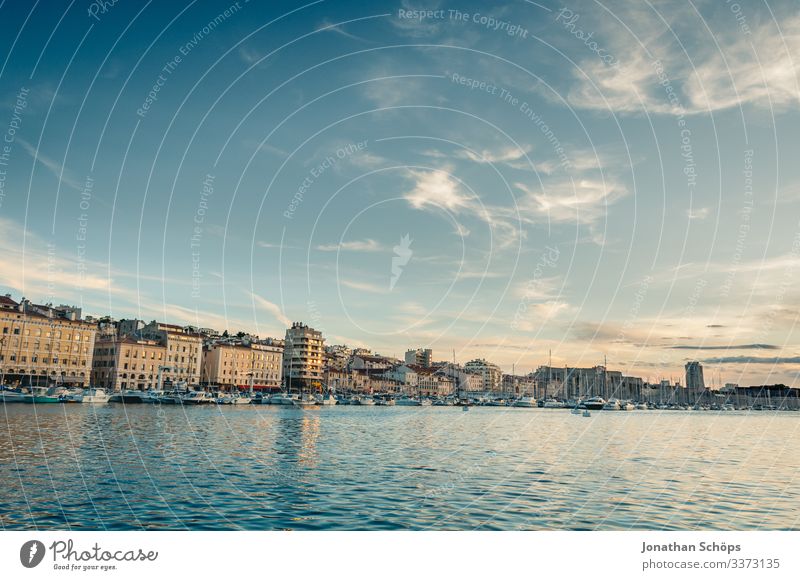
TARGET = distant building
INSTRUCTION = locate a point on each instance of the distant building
(694, 377)
(184, 350)
(431, 382)
(490, 372)
(303, 357)
(420, 357)
(347, 381)
(403, 374)
(127, 362)
(464, 382)
(42, 344)
(238, 364)
(570, 383)
(518, 386)
(337, 356)
(365, 362)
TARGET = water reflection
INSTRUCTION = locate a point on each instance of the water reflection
(113, 467)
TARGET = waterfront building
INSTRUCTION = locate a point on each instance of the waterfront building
(184, 350)
(127, 362)
(431, 382)
(337, 356)
(420, 357)
(364, 362)
(768, 397)
(730, 387)
(631, 388)
(303, 357)
(694, 377)
(347, 381)
(518, 385)
(569, 383)
(44, 344)
(239, 363)
(465, 383)
(384, 385)
(403, 374)
(666, 393)
(490, 372)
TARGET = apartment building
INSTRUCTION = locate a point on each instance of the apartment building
(236, 364)
(44, 344)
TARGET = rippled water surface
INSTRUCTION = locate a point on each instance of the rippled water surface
(260, 467)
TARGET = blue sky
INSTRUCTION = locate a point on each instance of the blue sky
(610, 180)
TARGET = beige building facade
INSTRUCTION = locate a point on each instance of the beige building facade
(303, 357)
(127, 363)
(44, 345)
(233, 365)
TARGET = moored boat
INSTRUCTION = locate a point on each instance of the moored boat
(364, 401)
(40, 395)
(196, 398)
(241, 399)
(305, 400)
(407, 402)
(327, 400)
(72, 396)
(171, 398)
(11, 396)
(93, 395)
(129, 397)
(282, 399)
(594, 403)
(526, 402)
(553, 404)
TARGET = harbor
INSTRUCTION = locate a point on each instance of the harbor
(194, 397)
(279, 467)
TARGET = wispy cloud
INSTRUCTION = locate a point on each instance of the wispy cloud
(364, 286)
(272, 246)
(760, 360)
(53, 166)
(437, 189)
(48, 272)
(582, 201)
(367, 245)
(724, 347)
(249, 55)
(329, 26)
(698, 213)
(271, 308)
(511, 156)
(727, 69)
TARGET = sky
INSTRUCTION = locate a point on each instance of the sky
(522, 182)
